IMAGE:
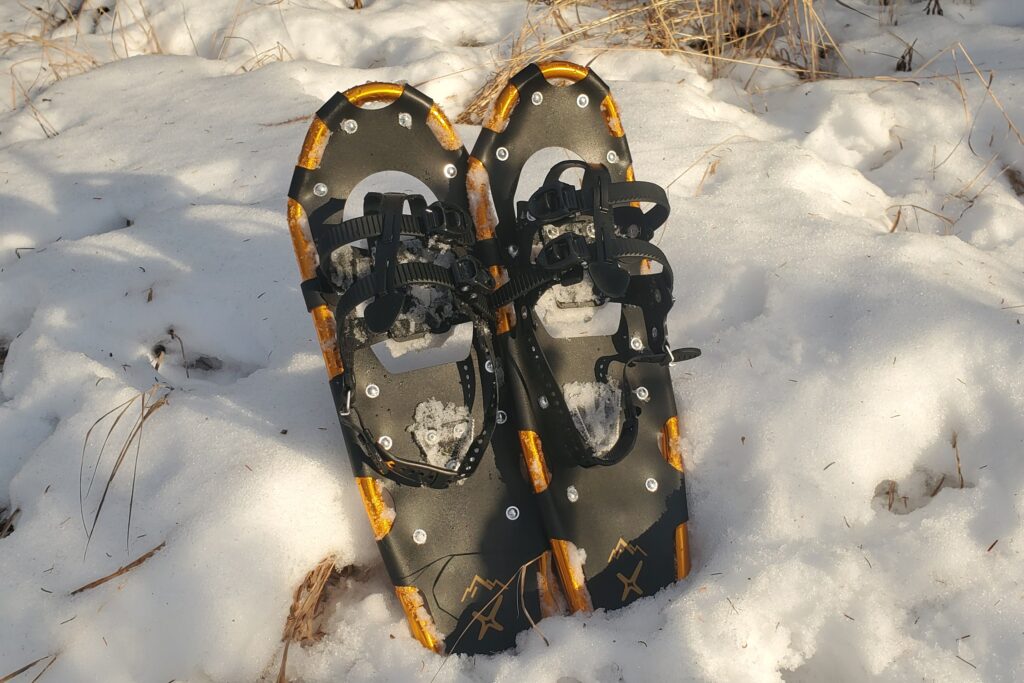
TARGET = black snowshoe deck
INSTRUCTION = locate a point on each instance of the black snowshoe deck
(462, 538)
(617, 525)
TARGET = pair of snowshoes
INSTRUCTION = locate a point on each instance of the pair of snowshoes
(536, 473)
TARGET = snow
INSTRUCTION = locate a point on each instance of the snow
(840, 354)
(596, 409)
(443, 432)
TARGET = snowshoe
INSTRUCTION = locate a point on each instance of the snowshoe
(433, 450)
(597, 415)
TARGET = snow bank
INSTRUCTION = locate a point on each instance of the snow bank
(831, 535)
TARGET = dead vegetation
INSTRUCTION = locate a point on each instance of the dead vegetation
(304, 625)
(769, 34)
(148, 402)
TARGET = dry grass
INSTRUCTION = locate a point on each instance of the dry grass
(305, 616)
(772, 34)
(149, 402)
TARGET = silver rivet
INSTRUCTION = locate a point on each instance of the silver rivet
(512, 512)
(582, 101)
(349, 126)
(502, 417)
(642, 393)
(524, 313)
(431, 437)
(551, 231)
(501, 153)
(372, 390)
(450, 171)
(513, 250)
(489, 366)
(651, 484)
(320, 189)
(654, 330)
(458, 430)
(385, 442)
(633, 231)
(572, 494)
(452, 465)
(636, 344)
(537, 97)
(543, 402)
(612, 157)
(405, 120)
(419, 536)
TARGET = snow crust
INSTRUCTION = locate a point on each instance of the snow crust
(842, 350)
(443, 431)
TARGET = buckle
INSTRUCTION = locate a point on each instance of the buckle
(469, 274)
(444, 219)
(564, 252)
(555, 202)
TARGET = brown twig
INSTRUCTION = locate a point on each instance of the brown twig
(123, 570)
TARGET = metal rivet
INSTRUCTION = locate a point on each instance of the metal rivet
(452, 465)
(654, 331)
(657, 295)
(372, 390)
(419, 536)
(537, 97)
(524, 313)
(572, 494)
(320, 189)
(385, 442)
(642, 393)
(431, 437)
(489, 366)
(651, 484)
(502, 417)
(405, 120)
(543, 402)
(633, 231)
(349, 126)
(512, 512)
(582, 101)
(513, 250)
(450, 171)
(551, 231)
(501, 153)
(636, 343)
(612, 157)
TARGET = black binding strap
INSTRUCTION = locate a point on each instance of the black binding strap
(556, 202)
(440, 219)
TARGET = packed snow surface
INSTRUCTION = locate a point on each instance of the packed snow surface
(849, 254)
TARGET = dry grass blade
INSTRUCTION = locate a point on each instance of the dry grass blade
(147, 407)
(7, 523)
(954, 442)
(123, 570)
(521, 574)
(14, 674)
